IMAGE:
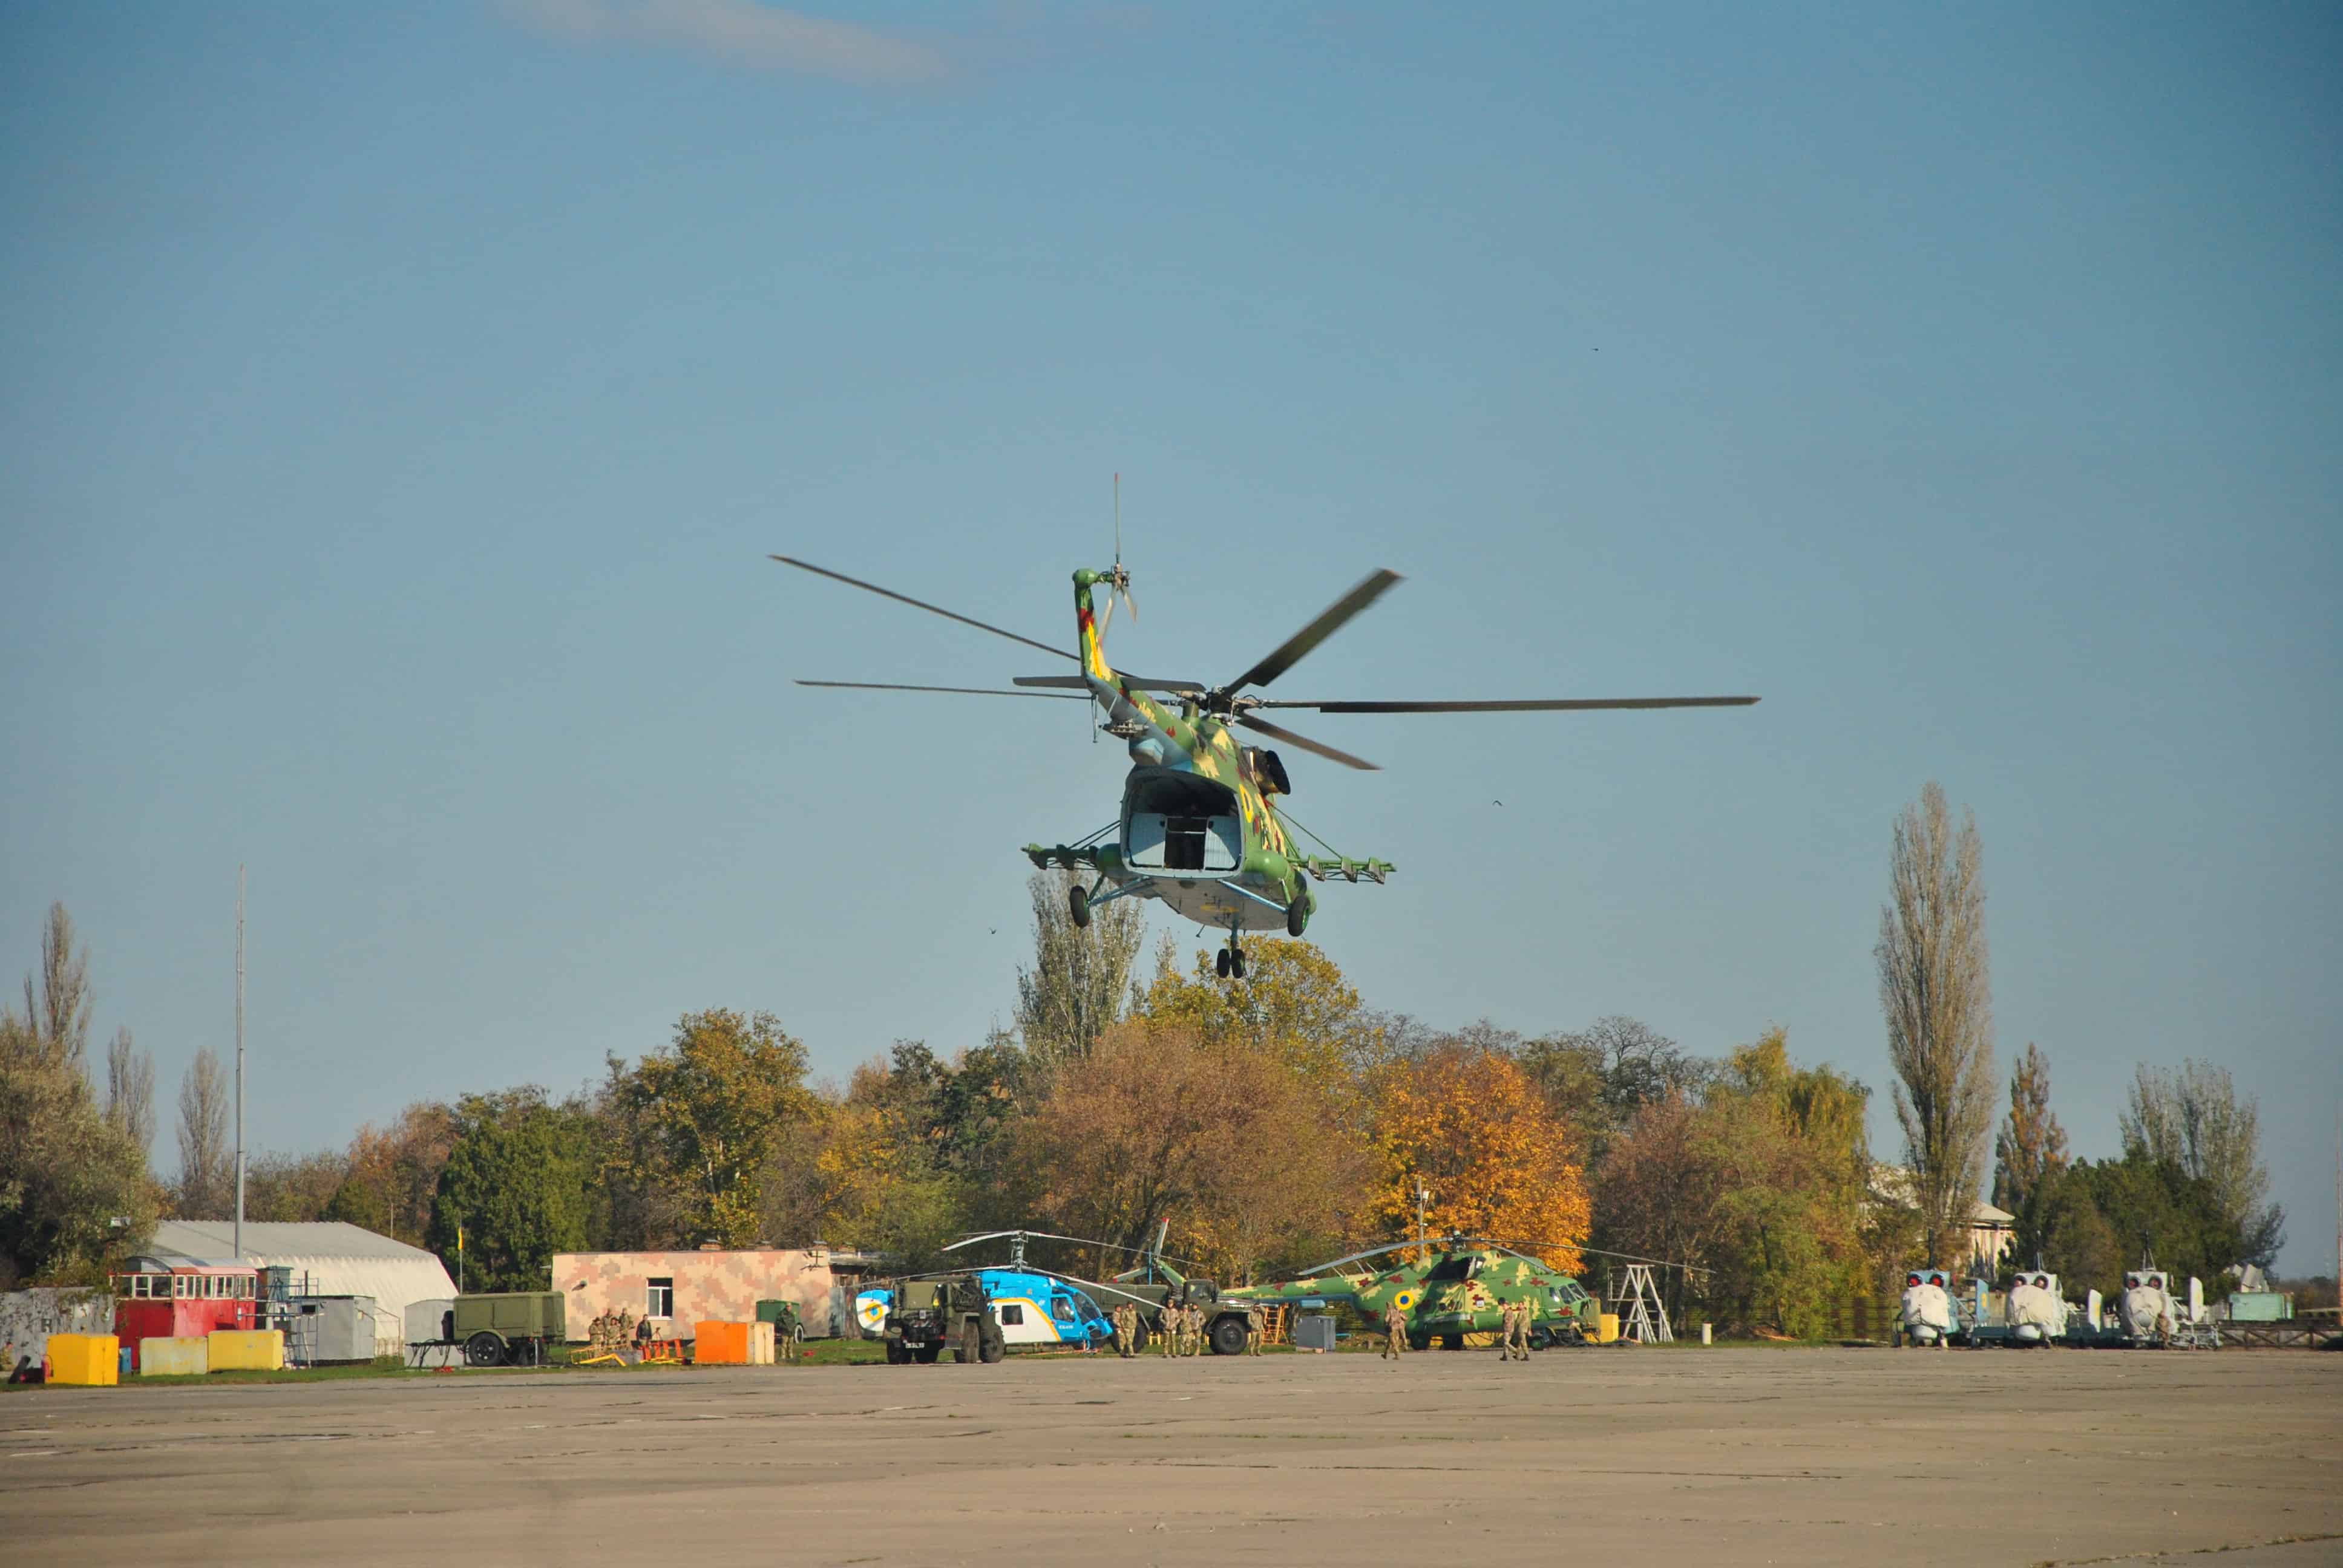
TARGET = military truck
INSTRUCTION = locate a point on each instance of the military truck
(927, 1316)
(508, 1328)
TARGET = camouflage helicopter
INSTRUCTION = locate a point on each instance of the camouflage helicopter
(1197, 829)
(1459, 1287)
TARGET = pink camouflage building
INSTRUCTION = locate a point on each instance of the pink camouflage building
(677, 1289)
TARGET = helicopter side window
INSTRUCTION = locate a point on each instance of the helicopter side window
(1062, 1309)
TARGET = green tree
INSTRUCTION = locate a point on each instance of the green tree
(1081, 975)
(2061, 1225)
(1760, 1184)
(2193, 1120)
(1936, 991)
(1294, 1004)
(2157, 1212)
(513, 1190)
(74, 1193)
(2031, 1147)
(695, 1122)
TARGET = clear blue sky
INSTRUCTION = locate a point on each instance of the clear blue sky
(398, 404)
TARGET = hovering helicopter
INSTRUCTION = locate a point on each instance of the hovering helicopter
(1197, 829)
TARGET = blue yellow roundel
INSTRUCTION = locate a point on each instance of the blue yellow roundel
(1405, 1300)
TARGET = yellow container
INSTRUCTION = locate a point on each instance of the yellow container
(721, 1344)
(184, 1357)
(760, 1344)
(1608, 1328)
(246, 1350)
(85, 1361)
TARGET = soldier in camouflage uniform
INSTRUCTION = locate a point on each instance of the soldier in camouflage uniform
(787, 1341)
(1394, 1332)
(1126, 1329)
(1254, 1327)
(1170, 1331)
(1520, 1343)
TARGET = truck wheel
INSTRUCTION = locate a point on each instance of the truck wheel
(990, 1345)
(484, 1350)
(1141, 1337)
(926, 1355)
(896, 1355)
(1228, 1336)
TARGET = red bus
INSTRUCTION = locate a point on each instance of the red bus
(183, 1301)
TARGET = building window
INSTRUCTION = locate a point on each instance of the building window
(663, 1299)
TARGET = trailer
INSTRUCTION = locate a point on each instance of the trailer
(508, 1327)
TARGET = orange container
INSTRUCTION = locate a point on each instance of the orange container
(721, 1344)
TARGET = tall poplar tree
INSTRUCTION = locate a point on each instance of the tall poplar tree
(1936, 991)
(1081, 977)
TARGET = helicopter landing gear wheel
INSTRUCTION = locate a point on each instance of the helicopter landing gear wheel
(1236, 963)
(1078, 905)
(1220, 962)
(1297, 914)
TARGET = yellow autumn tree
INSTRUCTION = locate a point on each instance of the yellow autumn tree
(1294, 1005)
(1471, 1127)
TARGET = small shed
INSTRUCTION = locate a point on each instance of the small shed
(326, 1329)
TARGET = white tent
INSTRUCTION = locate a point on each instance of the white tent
(327, 1258)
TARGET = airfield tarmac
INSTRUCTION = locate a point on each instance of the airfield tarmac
(1720, 1456)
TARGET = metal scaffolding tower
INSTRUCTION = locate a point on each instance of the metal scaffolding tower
(1645, 1317)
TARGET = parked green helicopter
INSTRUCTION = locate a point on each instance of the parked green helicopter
(1197, 829)
(1460, 1286)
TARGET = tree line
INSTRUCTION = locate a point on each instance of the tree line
(1274, 1122)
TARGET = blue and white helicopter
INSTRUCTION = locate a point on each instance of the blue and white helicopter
(1033, 1306)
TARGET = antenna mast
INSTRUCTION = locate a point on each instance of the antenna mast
(239, 1063)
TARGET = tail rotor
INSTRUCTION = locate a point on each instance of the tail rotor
(1118, 580)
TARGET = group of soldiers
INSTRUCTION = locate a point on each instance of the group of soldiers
(612, 1334)
(1513, 1330)
(1514, 1321)
(616, 1334)
(1179, 1330)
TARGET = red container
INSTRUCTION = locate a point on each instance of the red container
(186, 1300)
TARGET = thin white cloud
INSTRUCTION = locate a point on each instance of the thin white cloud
(740, 33)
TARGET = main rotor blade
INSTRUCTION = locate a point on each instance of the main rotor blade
(1079, 683)
(1290, 652)
(919, 604)
(956, 691)
(1303, 741)
(1527, 705)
